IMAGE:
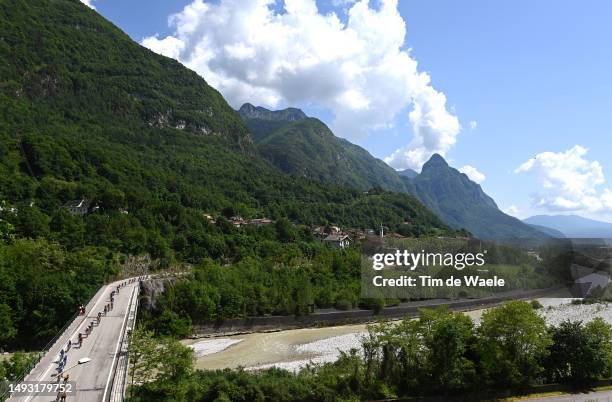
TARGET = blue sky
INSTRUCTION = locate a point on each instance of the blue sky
(532, 75)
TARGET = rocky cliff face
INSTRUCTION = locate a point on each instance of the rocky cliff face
(248, 111)
(151, 290)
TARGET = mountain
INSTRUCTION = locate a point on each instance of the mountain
(573, 226)
(262, 121)
(409, 173)
(461, 203)
(88, 113)
(306, 147)
(549, 231)
(248, 111)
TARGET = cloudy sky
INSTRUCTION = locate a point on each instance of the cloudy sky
(514, 94)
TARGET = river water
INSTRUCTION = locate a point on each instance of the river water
(293, 349)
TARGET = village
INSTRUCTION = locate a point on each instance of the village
(332, 235)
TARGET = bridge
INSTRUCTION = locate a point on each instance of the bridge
(102, 372)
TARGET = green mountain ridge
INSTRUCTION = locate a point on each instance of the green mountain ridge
(306, 147)
(87, 112)
(262, 121)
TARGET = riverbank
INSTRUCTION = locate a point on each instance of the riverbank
(330, 317)
(293, 349)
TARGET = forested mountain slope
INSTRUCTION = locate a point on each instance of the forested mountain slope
(87, 112)
(306, 147)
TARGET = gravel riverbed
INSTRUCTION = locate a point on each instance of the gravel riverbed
(294, 349)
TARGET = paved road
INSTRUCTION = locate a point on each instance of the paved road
(93, 380)
(601, 396)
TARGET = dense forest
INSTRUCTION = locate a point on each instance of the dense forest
(440, 353)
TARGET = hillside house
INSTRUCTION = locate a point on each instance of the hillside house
(318, 231)
(260, 221)
(237, 221)
(338, 240)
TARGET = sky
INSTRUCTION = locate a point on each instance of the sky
(514, 94)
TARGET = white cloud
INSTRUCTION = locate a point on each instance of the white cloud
(357, 69)
(88, 3)
(473, 173)
(512, 210)
(473, 125)
(570, 182)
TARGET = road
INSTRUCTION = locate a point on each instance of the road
(94, 379)
(600, 396)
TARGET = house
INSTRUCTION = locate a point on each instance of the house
(260, 221)
(237, 221)
(535, 255)
(335, 229)
(356, 234)
(318, 231)
(79, 207)
(209, 218)
(338, 240)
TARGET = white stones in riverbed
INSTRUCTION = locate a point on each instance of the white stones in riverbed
(554, 315)
(324, 350)
(211, 346)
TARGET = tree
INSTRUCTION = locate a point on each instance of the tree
(176, 360)
(513, 340)
(7, 328)
(152, 358)
(285, 231)
(603, 331)
(448, 336)
(7, 231)
(578, 354)
(18, 364)
(144, 356)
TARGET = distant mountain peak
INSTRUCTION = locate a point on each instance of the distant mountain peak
(249, 111)
(435, 162)
(573, 226)
(461, 203)
(409, 173)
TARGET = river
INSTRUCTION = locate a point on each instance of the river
(292, 349)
